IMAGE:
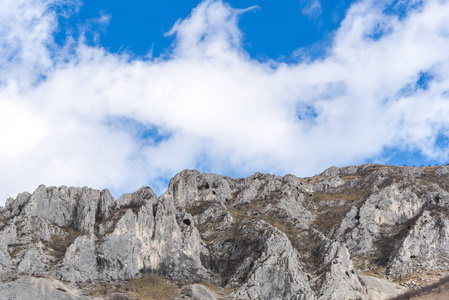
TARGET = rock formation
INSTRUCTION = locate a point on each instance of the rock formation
(261, 237)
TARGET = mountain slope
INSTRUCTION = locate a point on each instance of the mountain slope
(261, 237)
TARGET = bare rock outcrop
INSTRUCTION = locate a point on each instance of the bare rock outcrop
(277, 273)
(79, 260)
(261, 237)
(27, 287)
(340, 279)
(426, 247)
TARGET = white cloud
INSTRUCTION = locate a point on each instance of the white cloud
(79, 119)
(311, 8)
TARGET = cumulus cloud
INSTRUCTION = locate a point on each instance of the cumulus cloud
(79, 115)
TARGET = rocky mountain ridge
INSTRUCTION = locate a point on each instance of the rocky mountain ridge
(337, 235)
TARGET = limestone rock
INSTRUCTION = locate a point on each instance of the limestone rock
(217, 213)
(52, 204)
(137, 199)
(277, 274)
(351, 170)
(362, 227)
(16, 205)
(190, 185)
(151, 242)
(425, 247)
(5, 262)
(106, 205)
(331, 172)
(86, 210)
(80, 263)
(340, 279)
(391, 205)
(33, 262)
(35, 228)
(261, 237)
(441, 171)
(27, 287)
(7, 237)
(65, 207)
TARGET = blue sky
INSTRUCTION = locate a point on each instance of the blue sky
(114, 95)
(271, 31)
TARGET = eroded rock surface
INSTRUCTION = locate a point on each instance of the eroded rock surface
(261, 237)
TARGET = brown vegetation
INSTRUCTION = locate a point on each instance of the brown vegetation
(148, 287)
(437, 290)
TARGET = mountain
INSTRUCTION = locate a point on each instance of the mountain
(359, 232)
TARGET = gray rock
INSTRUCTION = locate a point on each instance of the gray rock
(5, 262)
(106, 205)
(79, 261)
(331, 172)
(277, 274)
(86, 210)
(52, 204)
(190, 186)
(137, 199)
(16, 205)
(411, 172)
(264, 237)
(48, 288)
(425, 247)
(217, 213)
(390, 206)
(351, 170)
(340, 280)
(441, 171)
(65, 207)
(8, 236)
(118, 253)
(32, 262)
(35, 228)
(151, 242)
(328, 183)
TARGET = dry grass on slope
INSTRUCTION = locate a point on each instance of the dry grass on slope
(148, 287)
(436, 291)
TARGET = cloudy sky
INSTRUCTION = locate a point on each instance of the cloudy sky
(114, 95)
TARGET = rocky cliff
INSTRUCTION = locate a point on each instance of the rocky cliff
(358, 232)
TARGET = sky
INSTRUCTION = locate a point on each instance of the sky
(120, 95)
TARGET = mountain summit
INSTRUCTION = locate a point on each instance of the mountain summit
(359, 232)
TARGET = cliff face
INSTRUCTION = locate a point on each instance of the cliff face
(261, 237)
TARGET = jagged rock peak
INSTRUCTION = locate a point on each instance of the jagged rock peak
(260, 237)
(64, 206)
